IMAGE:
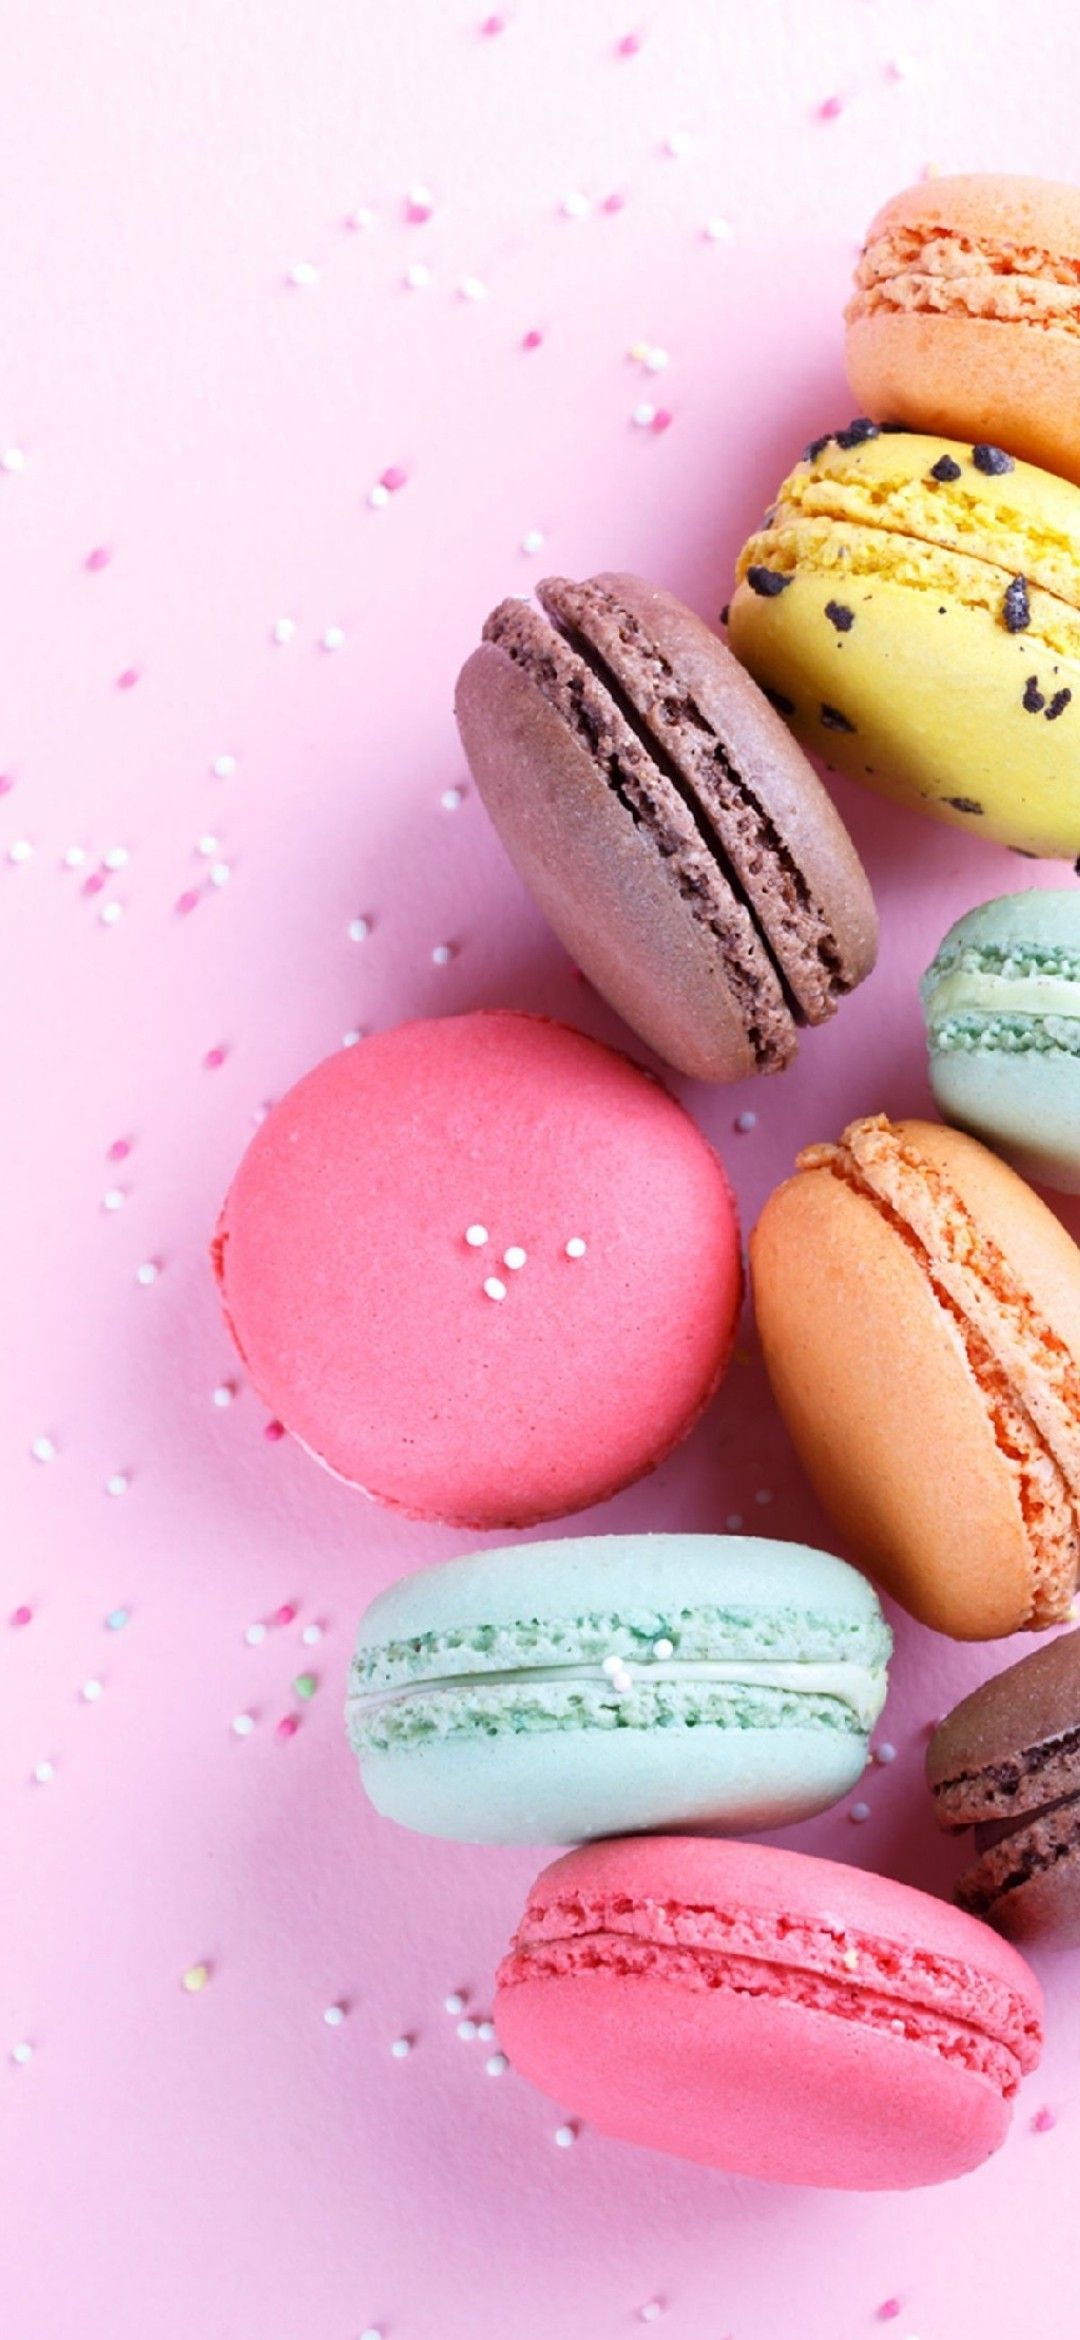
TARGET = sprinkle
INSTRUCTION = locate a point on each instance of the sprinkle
(532, 339)
(21, 2052)
(830, 108)
(473, 288)
(643, 415)
(306, 1685)
(333, 638)
(495, 1288)
(744, 1122)
(888, 2309)
(359, 929)
(111, 914)
(128, 679)
(117, 857)
(334, 2016)
(1033, 700)
(417, 276)
(576, 1248)
(763, 1495)
(532, 541)
(74, 857)
(466, 2028)
(1043, 2121)
(574, 205)
(223, 767)
(515, 1257)
(1015, 608)
(117, 1484)
(451, 798)
(220, 873)
(401, 2047)
(442, 954)
(303, 272)
(496, 2064)
(214, 1058)
(656, 361)
(43, 1450)
(360, 220)
(492, 25)
(767, 583)
(886, 1753)
(1057, 706)
(185, 903)
(419, 205)
(476, 1235)
(850, 1959)
(242, 1725)
(43, 1773)
(992, 461)
(284, 629)
(662, 420)
(629, 45)
(117, 1619)
(12, 459)
(196, 1978)
(833, 720)
(677, 143)
(651, 2312)
(254, 1634)
(311, 1635)
(717, 231)
(286, 1615)
(350, 1038)
(207, 846)
(613, 202)
(566, 2134)
(840, 616)
(393, 478)
(21, 851)
(224, 1394)
(21, 1616)
(288, 1726)
(733, 1522)
(372, 2332)
(454, 2002)
(663, 1648)
(859, 1813)
(485, 2029)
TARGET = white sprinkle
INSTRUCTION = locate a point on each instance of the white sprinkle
(224, 1394)
(372, 2332)
(613, 1664)
(349, 1039)
(12, 459)
(442, 954)
(496, 2064)
(92, 1690)
(254, 1634)
(656, 361)
(886, 1753)
(310, 1635)
(473, 288)
(220, 873)
(451, 798)
(763, 1495)
(745, 1122)
(859, 1812)
(850, 1959)
(420, 197)
(466, 2028)
(678, 142)
(111, 913)
(717, 230)
(113, 1198)
(733, 1522)
(565, 2135)
(486, 2029)
(378, 495)
(454, 2003)
(21, 2052)
(576, 1247)
(43, 1773)
(304, 272)
(574, 205)
(360, 219)
(650, 2313)
(223, 767)
(495, 1288)
(334, 2015)
(284, 629)
(43, 1450)
(243, 1725)
(359, 929)
(20, 851)
(515, 1257)
(476, 1235)
(643, 415)
(401, 2047)
(333, 638)
(147, 1272)
(74, 857)
(532, 541)
(117, 857)
(208, 846)
(663, 1648)
(417, 276)
(118, 1484)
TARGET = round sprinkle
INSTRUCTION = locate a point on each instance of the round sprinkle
(565, 2134)
(288, 1726)
(577, 1247)
(473, 288)
(717, 230)
(242, 1725)
(196, 1978)
(12, 459)
(20, 851)
(117, 857)
(44, 1772)
(401, 2047)
(515, 1257)
(763, 1495)
(495, 1288)
(744, 1122)
(223, 767)
(117, 1619)
(377, 496)
(476, 1235)
(306, 1685)
(486, 2029)
(333, 638)
(466, 2028)
(128, 679)
(21, 1616)
(372, 2332)
(830, 108)
(359, 220)
(214, 1058)
(419, 204)
(1043, 2121)
(334, 2016)
(92, 1690)
(451, 798)
(643, 415)
(111, 914)
(496, 2064)
(43, 1450)
(417, 276)
(74, 857)
(532, 339)
(254, 1635)
(656, 361)
(224, 1394)
(284, 629)
(454, 2002)
(575, 205)
(117, 1484)
(886, 1753)
(629, 45)
(350, 1038)
(359, 929)
(678, 143)
(650, 2313)
(310, 1635)
(220, 873)
(663, 1648)
(147, 1272)
(303, 272)
(442, 954)
(21, 2052)
(186, 902)
(286, 1615)
(859, 1813)
(532, 541)
(733, 1522)
(888, 2309)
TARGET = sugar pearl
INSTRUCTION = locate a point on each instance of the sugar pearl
(454, 2003)
(223, 1395)
(359, 929)
(565, 2135)
(284, 629)
(43, 1773)
(334, 2016)
(859, 1812)
(495, 1288)
(496, 2064)
(243, 1725)
(576, 1247)
(466, 2028)
(21, 2052)
(333, 638)
(196, 1978)
(515, 1257)
(43, 1450)
(303, 272)
(476, 1235)
(401, 2047)
(254, 1634)
(118, 1484)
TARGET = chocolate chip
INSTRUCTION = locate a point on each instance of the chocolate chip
(768, 582)
(840, 616)
(892, 430)
(857, 432)
(816, 447)
(945, 468)
(992, 460)
(781, 702)
(1076, 865)
(1034, 701)
(725, 613)
(964, 804)
(1014, 608)
(1057, 706)
(834, 721)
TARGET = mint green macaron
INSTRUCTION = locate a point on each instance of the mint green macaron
(1002, 1006)
(604, 1685)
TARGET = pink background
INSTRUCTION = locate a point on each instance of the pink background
(225, 2164)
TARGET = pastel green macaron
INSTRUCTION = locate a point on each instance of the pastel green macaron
(605, 1685)
(1002, 1005)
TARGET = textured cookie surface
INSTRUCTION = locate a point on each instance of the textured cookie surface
(1002, 1006)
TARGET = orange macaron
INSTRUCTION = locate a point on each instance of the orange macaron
(919, 1311)
(966, 315)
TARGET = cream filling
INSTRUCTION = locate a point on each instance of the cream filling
(862, 1688)
(967, 993)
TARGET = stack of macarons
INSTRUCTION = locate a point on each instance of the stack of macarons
(489, 1272)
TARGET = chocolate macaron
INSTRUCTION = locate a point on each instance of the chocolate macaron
(1006, 1761)
(666, 822)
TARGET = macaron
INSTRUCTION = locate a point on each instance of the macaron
(605, 1684)
(481, 1267)
(1006, 1762)
(665, 821)
(913, 606)
(919, 1313)
(1002, 1006)
(766, 2013)
(966, 314)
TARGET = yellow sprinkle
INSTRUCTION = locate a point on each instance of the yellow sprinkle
(639, 351)
(196, 1978)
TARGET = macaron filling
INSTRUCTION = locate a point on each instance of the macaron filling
(1025, 1812)
(1028, 1378)
(934, 270)
(1018, 1000)
(950, 2009)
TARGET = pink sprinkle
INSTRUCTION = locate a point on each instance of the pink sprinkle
(93, 884)
(532, 339)
(98, 559)
(1044, 2120)
(127, 680)
(662, 419)
(21, 1615)
(185, 902)
(286, 1613)
(417, 210)
(6, 783)
(214, 1057)
(393, 478)
(273, 1431)
(888, 2309)
(492, 25)
(119, 1150)
(829, 108)
(629, 45)
(615, 202)
(288, 1726)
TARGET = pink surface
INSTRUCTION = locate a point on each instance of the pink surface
(544, 1364)
(201, 437)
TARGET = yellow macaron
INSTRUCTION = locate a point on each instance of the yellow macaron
(912, 606)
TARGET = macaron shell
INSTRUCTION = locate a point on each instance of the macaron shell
(597, 875)
(1043, 1912)
(1025, 1102)
(1035, 1700)
(1026, 1106)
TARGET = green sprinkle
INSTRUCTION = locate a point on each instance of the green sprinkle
(306, 1685)
(117, 1619)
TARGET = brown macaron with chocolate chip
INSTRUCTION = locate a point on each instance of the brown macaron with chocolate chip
(1006, 1762)
(666, 822)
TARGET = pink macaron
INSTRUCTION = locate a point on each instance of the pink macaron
(769, 2014)
(483, 1268)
